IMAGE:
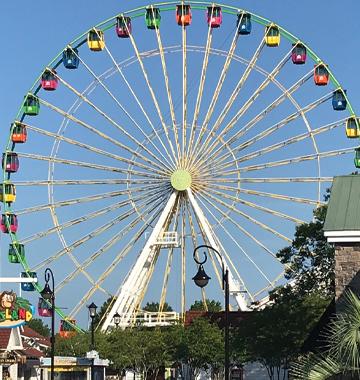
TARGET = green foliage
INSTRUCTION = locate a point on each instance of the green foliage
(274, 336)
(155, 306)
(212, 305)
(202, 346)
(141, 349)
(342, 356)
(310, 259)
(102, 311)
(77, 345)
(38, 325)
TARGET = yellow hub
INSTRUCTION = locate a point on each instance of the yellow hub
(181, 180)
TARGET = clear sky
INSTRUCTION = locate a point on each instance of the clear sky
(34, 34)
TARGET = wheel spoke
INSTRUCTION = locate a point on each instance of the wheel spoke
(99, 133)
(62, 182)
(237, 225)
(79, 220)
(168, 91)
(232, 98)
(89, 165)
(165, 163)
(155, 101)
(108, 245)
(267, 132)
(217, 91)
(74, 201)
(270, 195)
(156, 212)
(93, 149)
(86, 238)
(201, 88)
(246, 216)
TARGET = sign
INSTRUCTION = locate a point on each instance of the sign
(8, 359)
(14, 311)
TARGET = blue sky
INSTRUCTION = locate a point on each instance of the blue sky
(34, 35)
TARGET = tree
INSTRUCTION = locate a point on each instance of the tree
(99, 317)
(155, 307)
(143, 350)
(38, 325)
(212, 306)
(310, 259)
(342, 356)
(77, 345)
(202, 347)
(274, 336)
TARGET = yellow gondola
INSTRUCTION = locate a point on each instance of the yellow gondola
(96, 40)
(352, 130)
(272, 35)
(9, 192)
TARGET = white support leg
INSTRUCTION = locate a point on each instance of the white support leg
(131, 289)
(235, 291)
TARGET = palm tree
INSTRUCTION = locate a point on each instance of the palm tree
(342, 358)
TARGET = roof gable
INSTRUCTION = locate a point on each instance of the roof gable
(343, 212)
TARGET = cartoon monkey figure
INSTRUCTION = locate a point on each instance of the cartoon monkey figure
(7, 299)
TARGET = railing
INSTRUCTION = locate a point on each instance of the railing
(168, 239)
(152, 319)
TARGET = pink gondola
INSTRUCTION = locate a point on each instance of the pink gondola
(214, 16)
(10, 219)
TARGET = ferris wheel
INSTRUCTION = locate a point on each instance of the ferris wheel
(162, 128)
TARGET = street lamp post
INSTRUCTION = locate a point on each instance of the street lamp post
(92, 312)
(48, 294)
(201, 279)
(116, 319)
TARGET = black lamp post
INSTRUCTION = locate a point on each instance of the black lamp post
(116, 319)
(92, 312)
(201, 279)
(48, 294)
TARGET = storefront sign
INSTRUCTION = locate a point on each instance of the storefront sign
(8, 359)
(14, 311)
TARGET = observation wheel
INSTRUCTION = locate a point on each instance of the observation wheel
(162, 128)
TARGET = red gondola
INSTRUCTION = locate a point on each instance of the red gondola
(11, 220)
(10, 162)
(66, 328)
(298, 54)
(18, 133)
(214, 16)
(49, 80)
(321, 75)
(183, 14)
(44, 308)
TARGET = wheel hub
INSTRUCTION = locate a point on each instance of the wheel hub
(181, 180)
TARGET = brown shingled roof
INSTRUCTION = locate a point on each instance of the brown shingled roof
(30, 333)
(4, 338)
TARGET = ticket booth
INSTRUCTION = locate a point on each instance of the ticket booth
(73, 368)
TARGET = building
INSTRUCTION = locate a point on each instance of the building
(342, 228)
(20, 351)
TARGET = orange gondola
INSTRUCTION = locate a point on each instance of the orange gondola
(67, 329)
(18, 133)
(183, 14)
(321, 75)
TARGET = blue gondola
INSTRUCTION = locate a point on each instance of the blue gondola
(71, 58)
(244, 23)
(339, 102)
(28, 286)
